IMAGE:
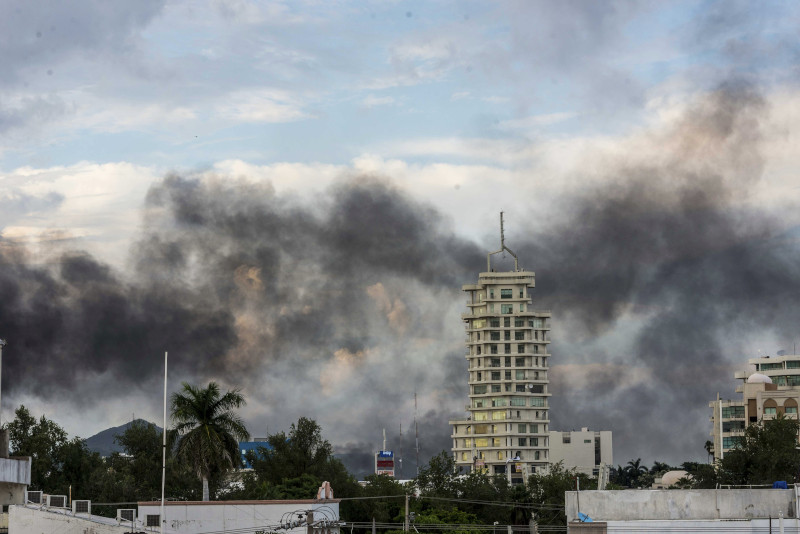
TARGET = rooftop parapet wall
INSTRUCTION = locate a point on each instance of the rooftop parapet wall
(634, 505)
(15, 470)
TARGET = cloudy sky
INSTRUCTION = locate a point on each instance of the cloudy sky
(288, 196)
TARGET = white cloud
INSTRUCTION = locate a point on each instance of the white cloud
(260, 106)
(372, 101)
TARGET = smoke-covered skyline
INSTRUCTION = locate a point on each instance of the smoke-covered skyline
(248, 188)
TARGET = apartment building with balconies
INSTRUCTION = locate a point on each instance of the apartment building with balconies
(770, 387)
(506, 428)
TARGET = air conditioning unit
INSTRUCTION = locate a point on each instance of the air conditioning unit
(128, 515)
(81, 507)
(57, 501)
(34, 497)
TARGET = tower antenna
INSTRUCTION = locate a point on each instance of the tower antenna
(400, 454)
(502, 248)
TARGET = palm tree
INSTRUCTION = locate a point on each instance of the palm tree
(208, 429)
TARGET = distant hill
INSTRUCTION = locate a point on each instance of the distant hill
(103, 442)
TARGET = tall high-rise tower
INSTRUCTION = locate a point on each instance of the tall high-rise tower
(506, 430)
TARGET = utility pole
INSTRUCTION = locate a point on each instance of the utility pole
(405, 519)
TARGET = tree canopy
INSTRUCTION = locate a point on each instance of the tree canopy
(209, 429)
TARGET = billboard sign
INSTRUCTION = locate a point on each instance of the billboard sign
(384, 463)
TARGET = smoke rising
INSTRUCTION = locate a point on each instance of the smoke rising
(340, 307)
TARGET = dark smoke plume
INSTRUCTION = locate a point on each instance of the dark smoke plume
(341, 307)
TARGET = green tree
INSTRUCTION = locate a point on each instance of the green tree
(56, 461)
(440, 477)
(208, 428)
(548, 491)
(292, 462)
(766, 454)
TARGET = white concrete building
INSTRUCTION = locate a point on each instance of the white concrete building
(585, 450)
(506, 427)
(685, 511)
(770, 386)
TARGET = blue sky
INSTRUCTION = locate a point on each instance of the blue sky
(463, 107)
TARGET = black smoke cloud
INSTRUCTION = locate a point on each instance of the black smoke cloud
(342, 306)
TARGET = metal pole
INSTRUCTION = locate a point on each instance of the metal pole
(405, 519)
(164, 448)
(2, 344)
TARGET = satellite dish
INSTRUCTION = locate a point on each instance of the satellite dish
(530, 386)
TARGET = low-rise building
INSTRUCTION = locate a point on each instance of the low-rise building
(585, 450)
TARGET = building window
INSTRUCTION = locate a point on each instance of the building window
(508, 361)
(468, 443)
(481, 429)
(495, 375)
(493, 349)
(566, 438)
(479, 350)
(538, 323)
(790, 409)
(521, 306)
(478, 390)
(534, 442)
(519, 362)
(507, 322)
(534, 429)
(538, 402)
(506, 294)
(508, 387)
(536, 349)
(464, 456)
(498, 415)
(494, 336)
(153, 520)
(507, 335)
(519, 323)
(519, 335)
(481, 442)
(491, 293)
(537, 388)
(478, 403)
(771, 410)
(491, 307)
(733, 412)
(479, 376)
(496, 442)
(508, 375)
(793, 364)
(507, 348)
(495, 362)
(494, 323)
(731, 442)
(522, 428)
(506, 308)
(496, 388)
(523, 442)
(520, 388)
(517, 401)
(498, 402)
(501, 455)
(481, 416)
(536, 455)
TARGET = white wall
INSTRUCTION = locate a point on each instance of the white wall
(213, 516)
(25, 520)
(696, 526)
(633, 505)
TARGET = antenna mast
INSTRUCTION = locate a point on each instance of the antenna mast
(502, 248)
